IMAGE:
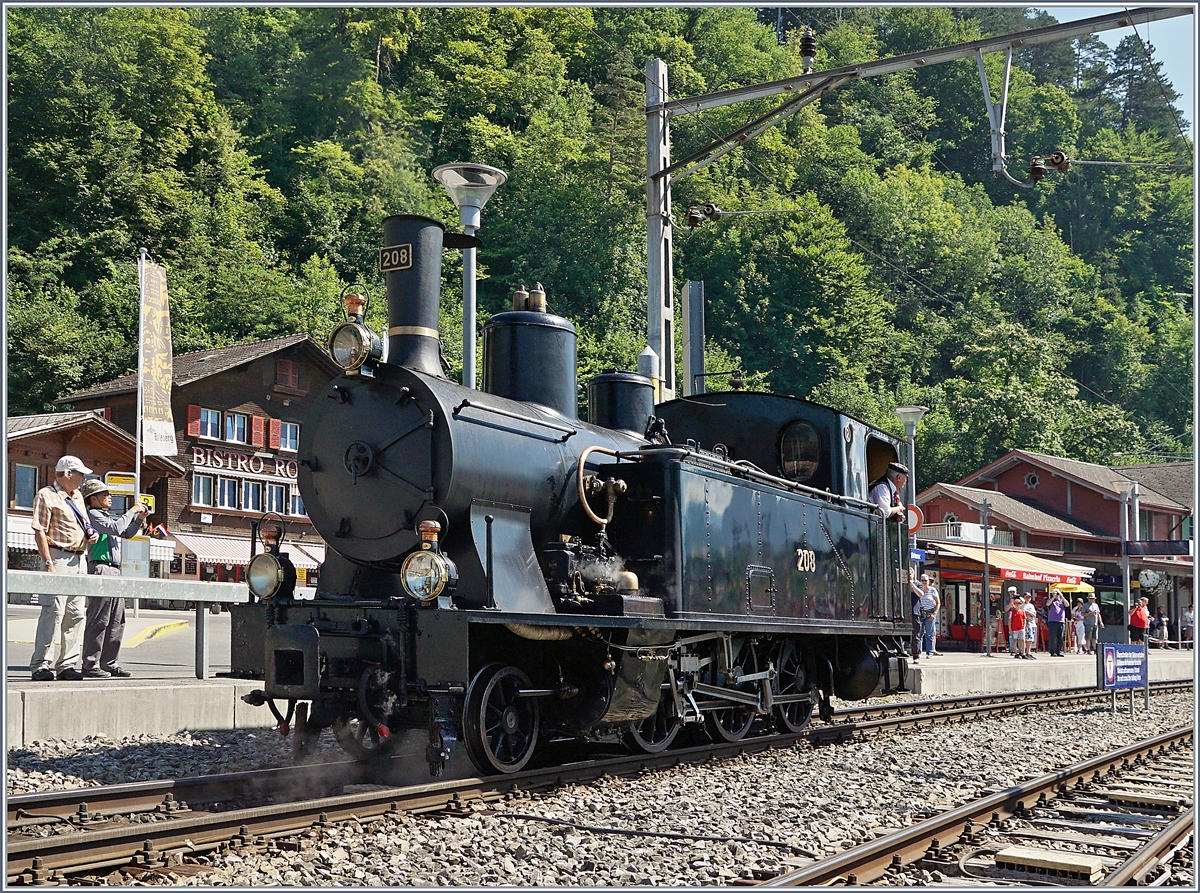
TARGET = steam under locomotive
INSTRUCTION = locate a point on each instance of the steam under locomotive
(505, 572)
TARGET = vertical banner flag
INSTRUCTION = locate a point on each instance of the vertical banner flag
(158, 430)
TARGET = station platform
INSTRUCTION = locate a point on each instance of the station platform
(163, 696)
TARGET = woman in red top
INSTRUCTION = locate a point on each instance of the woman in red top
(1139, 621)
(1016, 627)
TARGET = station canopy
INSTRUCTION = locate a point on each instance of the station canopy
(1023, 566)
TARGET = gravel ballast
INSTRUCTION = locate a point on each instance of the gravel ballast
(803, 801)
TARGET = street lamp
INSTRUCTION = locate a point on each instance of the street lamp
(1129, 493)
(470, 186)
(911, 416)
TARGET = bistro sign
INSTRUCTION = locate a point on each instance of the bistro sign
(207, 457)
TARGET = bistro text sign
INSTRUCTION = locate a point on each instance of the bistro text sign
(207, 457)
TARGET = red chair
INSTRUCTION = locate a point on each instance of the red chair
(974, 637)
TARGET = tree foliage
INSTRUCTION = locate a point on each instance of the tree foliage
(872, 259)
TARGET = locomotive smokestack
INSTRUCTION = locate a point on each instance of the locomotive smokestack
(411, 261)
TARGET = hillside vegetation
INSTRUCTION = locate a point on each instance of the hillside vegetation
(254, 152)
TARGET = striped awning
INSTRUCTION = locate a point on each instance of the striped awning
(300, 556)
(212, 549)
(20, 536)
(315, 551)
(1022, 565)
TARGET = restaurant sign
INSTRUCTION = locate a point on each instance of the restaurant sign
(228, 460)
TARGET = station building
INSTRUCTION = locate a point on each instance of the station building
(238, 412)
(1056, 523)
(37, 442)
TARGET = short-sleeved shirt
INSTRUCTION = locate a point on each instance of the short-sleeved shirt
(1016, 619)
(1091, 613)
(54, 516)
(885, 496)
(1056, 611)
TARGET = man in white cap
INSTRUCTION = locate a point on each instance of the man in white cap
(62, 533)
(886, 492)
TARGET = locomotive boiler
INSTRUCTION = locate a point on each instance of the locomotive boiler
(502, 572)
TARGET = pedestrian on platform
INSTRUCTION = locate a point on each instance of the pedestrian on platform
(1185, 628)
(1092, 623)
(1161, 627)
(1056, 621)
(1031, 627)
(1016, 626)
(927, 606)
(106, 616)
(1077, 625)
(1011, 601)
(1139, 621)
(62, 535)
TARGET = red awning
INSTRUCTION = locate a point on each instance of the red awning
(1023, 566)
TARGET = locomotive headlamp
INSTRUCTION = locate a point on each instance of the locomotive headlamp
(269, 576)
(355, 348)
(427, 574)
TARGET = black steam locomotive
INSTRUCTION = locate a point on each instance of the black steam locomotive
(505, 572)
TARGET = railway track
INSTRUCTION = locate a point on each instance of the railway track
(1117, 819)
(158, 826)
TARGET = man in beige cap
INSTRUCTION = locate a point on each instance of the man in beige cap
(62, 533)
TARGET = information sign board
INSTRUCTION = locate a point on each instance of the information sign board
(119, 484)
(1120, 666)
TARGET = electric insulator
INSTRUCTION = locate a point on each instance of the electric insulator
(711, 211)
(1060, 162)
(1037, 169)
(808, 49)
(695, 217)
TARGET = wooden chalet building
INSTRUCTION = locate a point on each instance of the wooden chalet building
(237, 413)
(37, 442)
(1057, 522)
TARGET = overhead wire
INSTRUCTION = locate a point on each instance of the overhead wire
(1162, 89)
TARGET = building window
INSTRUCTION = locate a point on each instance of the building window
(252, 496)
(227, 493)
(297, 503)
(202, 489)
(210, 423)
(24, 486)
(1185, 528)
(1145, 526)
(1032, 480)
(289, 436)
(287, 374)
(276, 498)
(236, 427)
(1068, 545)
(950, 518)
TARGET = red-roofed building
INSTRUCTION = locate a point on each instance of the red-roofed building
(1058, 521)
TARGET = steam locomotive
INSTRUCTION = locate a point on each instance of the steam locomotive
(502, 572)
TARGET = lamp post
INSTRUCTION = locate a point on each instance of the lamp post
(911, 416)
(470, 186)
(1129, 493)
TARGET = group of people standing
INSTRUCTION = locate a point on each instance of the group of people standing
(1079, 637)
(76, 534)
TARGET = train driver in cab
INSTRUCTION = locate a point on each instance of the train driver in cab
(885, 492)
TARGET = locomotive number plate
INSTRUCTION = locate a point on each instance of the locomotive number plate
(395, 257)
(806, 560)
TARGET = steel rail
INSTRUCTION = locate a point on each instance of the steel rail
(870, 862)
(1136, 871)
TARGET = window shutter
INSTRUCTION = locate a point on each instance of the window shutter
(108, 413)
(193, 421)
(276, 430)
(256, 430)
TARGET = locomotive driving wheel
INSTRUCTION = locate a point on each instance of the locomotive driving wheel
(792, 716)
(655, 733)
(500, 726)
(364, 741)
(732, 723)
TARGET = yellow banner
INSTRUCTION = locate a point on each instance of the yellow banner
(158, 430)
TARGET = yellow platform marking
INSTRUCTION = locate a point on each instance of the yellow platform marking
(153, 632)
(18, 629)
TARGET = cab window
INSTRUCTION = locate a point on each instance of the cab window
(799, 452)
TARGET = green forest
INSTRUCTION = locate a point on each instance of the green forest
(254, 152)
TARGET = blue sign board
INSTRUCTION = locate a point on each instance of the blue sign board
(917, 555)
(1120, 666)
